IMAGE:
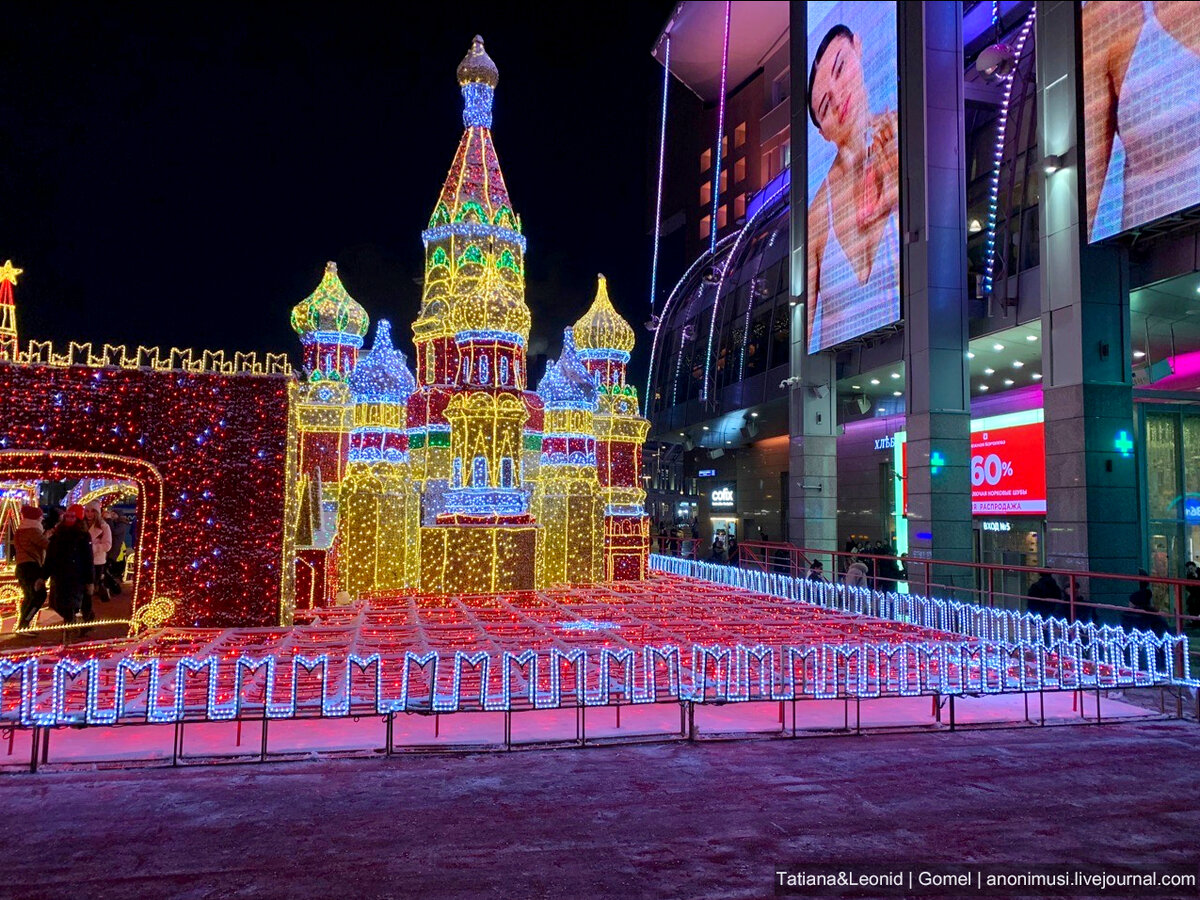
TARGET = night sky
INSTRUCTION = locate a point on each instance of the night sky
(179, 175)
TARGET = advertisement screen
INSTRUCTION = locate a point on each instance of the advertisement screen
(1008, 465)
(1141, 69)
(853, 171)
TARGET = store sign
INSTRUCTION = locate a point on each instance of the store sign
(885, 443)
(996, 526)
(1008, 465)
(1191, 511)
(722, 498)
(707, 473)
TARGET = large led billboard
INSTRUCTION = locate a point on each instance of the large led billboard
(1141, 123)
(853, 171)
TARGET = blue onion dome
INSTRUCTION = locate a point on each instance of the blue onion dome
(382, 375)
(567, 382)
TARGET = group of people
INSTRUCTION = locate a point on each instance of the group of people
(724, 547)
(871, 565)
(70, 561)
(1047, 598)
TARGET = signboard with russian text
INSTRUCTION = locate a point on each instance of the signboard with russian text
(1008, 465)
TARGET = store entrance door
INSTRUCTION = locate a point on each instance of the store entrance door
(717, 525)
(1007, 542)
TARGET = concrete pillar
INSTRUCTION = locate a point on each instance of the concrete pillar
(1093, 510)
(812, 407)
(934, 259)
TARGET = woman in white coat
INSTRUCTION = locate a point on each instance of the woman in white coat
(101, 536)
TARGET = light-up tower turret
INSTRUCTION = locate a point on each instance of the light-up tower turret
(605, 341)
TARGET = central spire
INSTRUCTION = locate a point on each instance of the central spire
(477, 76)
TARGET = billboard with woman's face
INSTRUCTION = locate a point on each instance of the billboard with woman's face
(1141, 122)
(853, 171)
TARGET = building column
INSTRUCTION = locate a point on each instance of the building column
(812, 403)
(1093, 510)
(934, 231)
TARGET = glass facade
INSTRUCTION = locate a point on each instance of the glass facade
(1171, 437)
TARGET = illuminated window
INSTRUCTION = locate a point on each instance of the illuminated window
(429, 363)
(786, 153)
(739, 207)
(705, 227)
(504, 370)
(724, 146)
(706, 193)
(739, 170)
(456, 480)
(706, 160)
(506, 472)
(722, 216)
(739, 135)
(724, 180)
(479, 472)
(767, 173)
(484, 373)
(517, 372)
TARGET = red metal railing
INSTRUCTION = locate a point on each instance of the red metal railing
(989, 584)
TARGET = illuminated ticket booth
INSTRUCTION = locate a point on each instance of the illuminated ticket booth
(723, 515)
(1008, 496)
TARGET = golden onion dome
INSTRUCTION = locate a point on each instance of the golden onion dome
(602, 327)
(477, 67)
(490, 303)
(330, 309)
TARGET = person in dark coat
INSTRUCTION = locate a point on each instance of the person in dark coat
(1142, 612)
(70, 568)
(731, 550)
(816, 572)
(31, 543)
(887, 570)
(1041, 592)
(114, 574)
(1192, 591)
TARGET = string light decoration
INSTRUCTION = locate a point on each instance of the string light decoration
(567, 497)
(379, 508)
(605, 341)
(206, 453)
(9, 343)
(675, 638)
(331, 325)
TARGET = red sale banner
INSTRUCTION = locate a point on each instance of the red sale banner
(1008, 471)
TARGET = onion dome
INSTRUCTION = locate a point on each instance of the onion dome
(382, 375)
(601, 327)
(329, 309)
(567, 382)
(477, 67)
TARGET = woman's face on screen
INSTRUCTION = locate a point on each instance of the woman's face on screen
(839, 97)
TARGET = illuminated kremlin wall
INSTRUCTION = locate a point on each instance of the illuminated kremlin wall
(208, 453)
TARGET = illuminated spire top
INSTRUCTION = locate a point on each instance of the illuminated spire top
(477, 67)
(329, 309)
(602, 327)
(382, 376)
(566, 382)
(9, 272)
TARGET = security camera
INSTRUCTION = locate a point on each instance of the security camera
(995, 63)
(792, 382)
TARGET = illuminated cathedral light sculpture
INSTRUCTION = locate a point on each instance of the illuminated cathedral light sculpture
(379, 507)
(8, 312)
(463, 480)
(567, 497)
(605, 341)
(331, 325)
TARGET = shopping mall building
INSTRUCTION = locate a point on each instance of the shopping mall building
(982, 340)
